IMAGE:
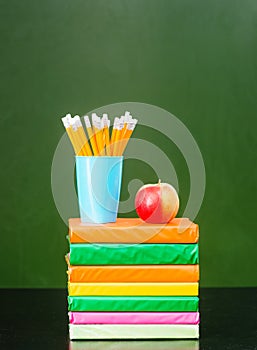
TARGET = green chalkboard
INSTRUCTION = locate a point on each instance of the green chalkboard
(196, 59)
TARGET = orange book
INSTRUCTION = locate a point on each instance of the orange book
(135, 273)
(179, 230)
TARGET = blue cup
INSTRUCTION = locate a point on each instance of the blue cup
(98, 185)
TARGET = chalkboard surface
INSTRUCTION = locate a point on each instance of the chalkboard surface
(196, 59)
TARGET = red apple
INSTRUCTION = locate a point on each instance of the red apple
(157, 203)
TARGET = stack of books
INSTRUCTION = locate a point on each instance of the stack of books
(133, 280)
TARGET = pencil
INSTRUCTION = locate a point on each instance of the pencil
(82, 136)
(130, 128)
(127, 119)
(118, 136)
(74, 141)
(99, 141)
(77, 136)
(114, 131)
(91, 136)
(102, 135)
(106, 123)
(97, 125)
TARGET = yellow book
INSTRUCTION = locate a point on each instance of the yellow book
(136, 289)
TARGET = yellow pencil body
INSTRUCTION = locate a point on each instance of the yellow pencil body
(86, 147)
(91, 136)
(98, 135)
(115, 145)
(115, 136)
(81, 136)
(99, 140)
(80, 142)
(72, 140)
(117, 142)
(112, 140)
(125, 141)
(107, 140)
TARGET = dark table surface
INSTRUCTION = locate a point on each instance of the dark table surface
(37, 319)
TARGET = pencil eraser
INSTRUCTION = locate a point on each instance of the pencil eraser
(68, 116)
(87, 121)
(116, 122)
(65, 121)
(105, 119)
(77, 120)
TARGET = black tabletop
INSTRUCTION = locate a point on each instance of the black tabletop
(37, 319)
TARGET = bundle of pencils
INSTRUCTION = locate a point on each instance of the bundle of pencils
(99, 141)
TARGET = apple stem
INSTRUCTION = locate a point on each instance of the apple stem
(159, 182)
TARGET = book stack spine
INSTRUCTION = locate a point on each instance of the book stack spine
(131, 280)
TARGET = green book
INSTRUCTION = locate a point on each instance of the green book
(134, 254)
(133, 303)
